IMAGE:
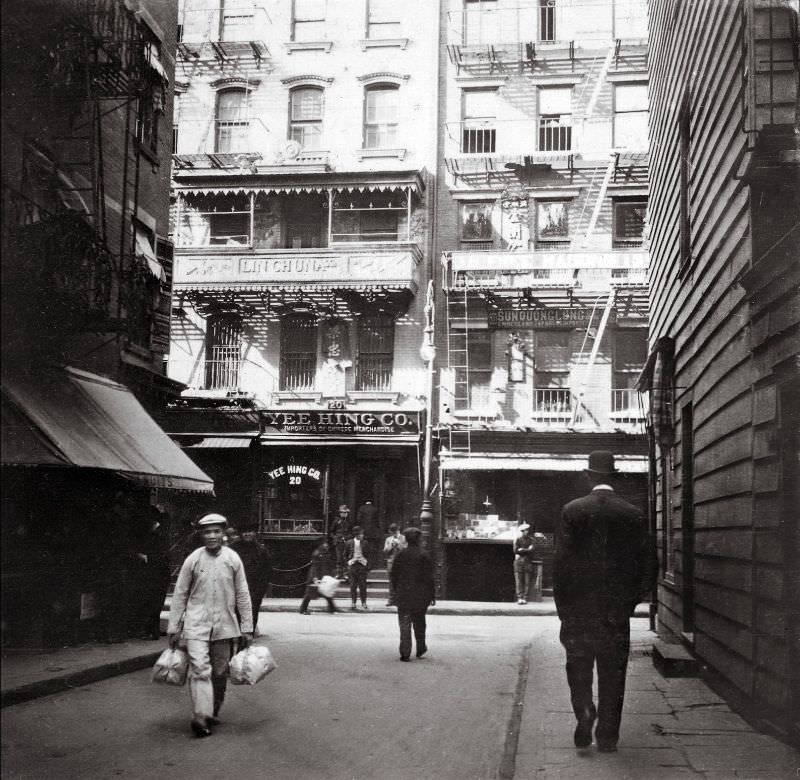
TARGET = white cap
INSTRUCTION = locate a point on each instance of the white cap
(211, 519)
(523, 527)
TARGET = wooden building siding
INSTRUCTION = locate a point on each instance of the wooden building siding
(729, 337)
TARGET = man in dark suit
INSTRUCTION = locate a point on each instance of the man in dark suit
(414, 591)
(603, 566)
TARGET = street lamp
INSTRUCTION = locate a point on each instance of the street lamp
(427, 352)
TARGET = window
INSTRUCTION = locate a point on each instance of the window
(380, 119)
(473, 384)
(223, 352)
(305, 117)
(555, 119)
(552, 221)
(236, 24)
(684, 134)
(481, 22)
(308, 22)
(153, 98)
(233, 123)
(370, 216)
(479, 110)
(229, 229)
(552, 356)
(304, 215)
(298, 353)
(383, 19)
(630, 116)
(629, 217)
(629, 357)
(547, 20)
(375, 353)
(476, 225)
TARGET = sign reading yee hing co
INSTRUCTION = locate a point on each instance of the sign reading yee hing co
(541, 319)
(341, 422)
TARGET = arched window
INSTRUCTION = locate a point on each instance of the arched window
(381, 110)
(305, 116)
(233, 121)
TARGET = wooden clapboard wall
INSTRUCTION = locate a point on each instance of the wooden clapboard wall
(724, 572)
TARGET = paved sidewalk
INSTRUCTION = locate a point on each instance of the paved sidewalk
(671, 728)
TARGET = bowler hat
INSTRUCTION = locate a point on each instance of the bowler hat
(211, 519)
(601, 462)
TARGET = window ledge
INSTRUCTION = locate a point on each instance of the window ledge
(388, 396)
(281, 396)
(378, 43)
(293, 46)
(367, 154)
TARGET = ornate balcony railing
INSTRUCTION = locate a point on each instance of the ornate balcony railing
(551, 404)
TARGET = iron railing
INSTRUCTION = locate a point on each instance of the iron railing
(627, 405)
(374, 372)
(551, 403)
(298, 372)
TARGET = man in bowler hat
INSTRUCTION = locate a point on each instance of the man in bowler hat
(603, 566)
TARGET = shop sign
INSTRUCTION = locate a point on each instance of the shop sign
(541, 319)
(341, 422)
(295, 472)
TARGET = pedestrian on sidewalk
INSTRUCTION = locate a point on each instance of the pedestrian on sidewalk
(523, 563)
(340, 532)
(603, 567)
(211, 588)
(357, 557)
(393, 544)
(257, 567)
(415, 590)
(321, 566)
(367, 518)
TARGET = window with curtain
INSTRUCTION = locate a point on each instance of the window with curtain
(223, 352)
(308, 20)
(383, 19)
(479, 112)
(555, 119)
(552, 221)
(380, 116)
(375, 353)
(305, 117)
(298, 353)
(630, 116)
(629, 217)
(233, 121)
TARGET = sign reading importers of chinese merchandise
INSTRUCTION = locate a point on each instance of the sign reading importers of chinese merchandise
(348, 423)
(541, 319)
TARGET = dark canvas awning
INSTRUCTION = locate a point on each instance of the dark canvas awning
(74, 418)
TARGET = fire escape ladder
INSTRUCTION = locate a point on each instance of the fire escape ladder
(578, 404)
(601, 194)
(598, 84)
(460, 439)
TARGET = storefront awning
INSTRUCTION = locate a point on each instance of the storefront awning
(627, 464)
(75, 418)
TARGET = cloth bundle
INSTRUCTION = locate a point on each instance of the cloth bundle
(171, 667)
(328, 586)
(251, 665)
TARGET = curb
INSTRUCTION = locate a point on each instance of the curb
(76, 679)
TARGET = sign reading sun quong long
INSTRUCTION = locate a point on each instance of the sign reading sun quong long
(542, 319)
(341, 423)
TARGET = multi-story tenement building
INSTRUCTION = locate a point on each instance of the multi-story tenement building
(540, 221)
(723, 367)
(304, 148)
(86, 298)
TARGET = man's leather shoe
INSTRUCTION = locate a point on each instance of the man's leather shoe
(421, 651)
(404, 658)
(583, 731)
(212, 720)
(200, 729)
